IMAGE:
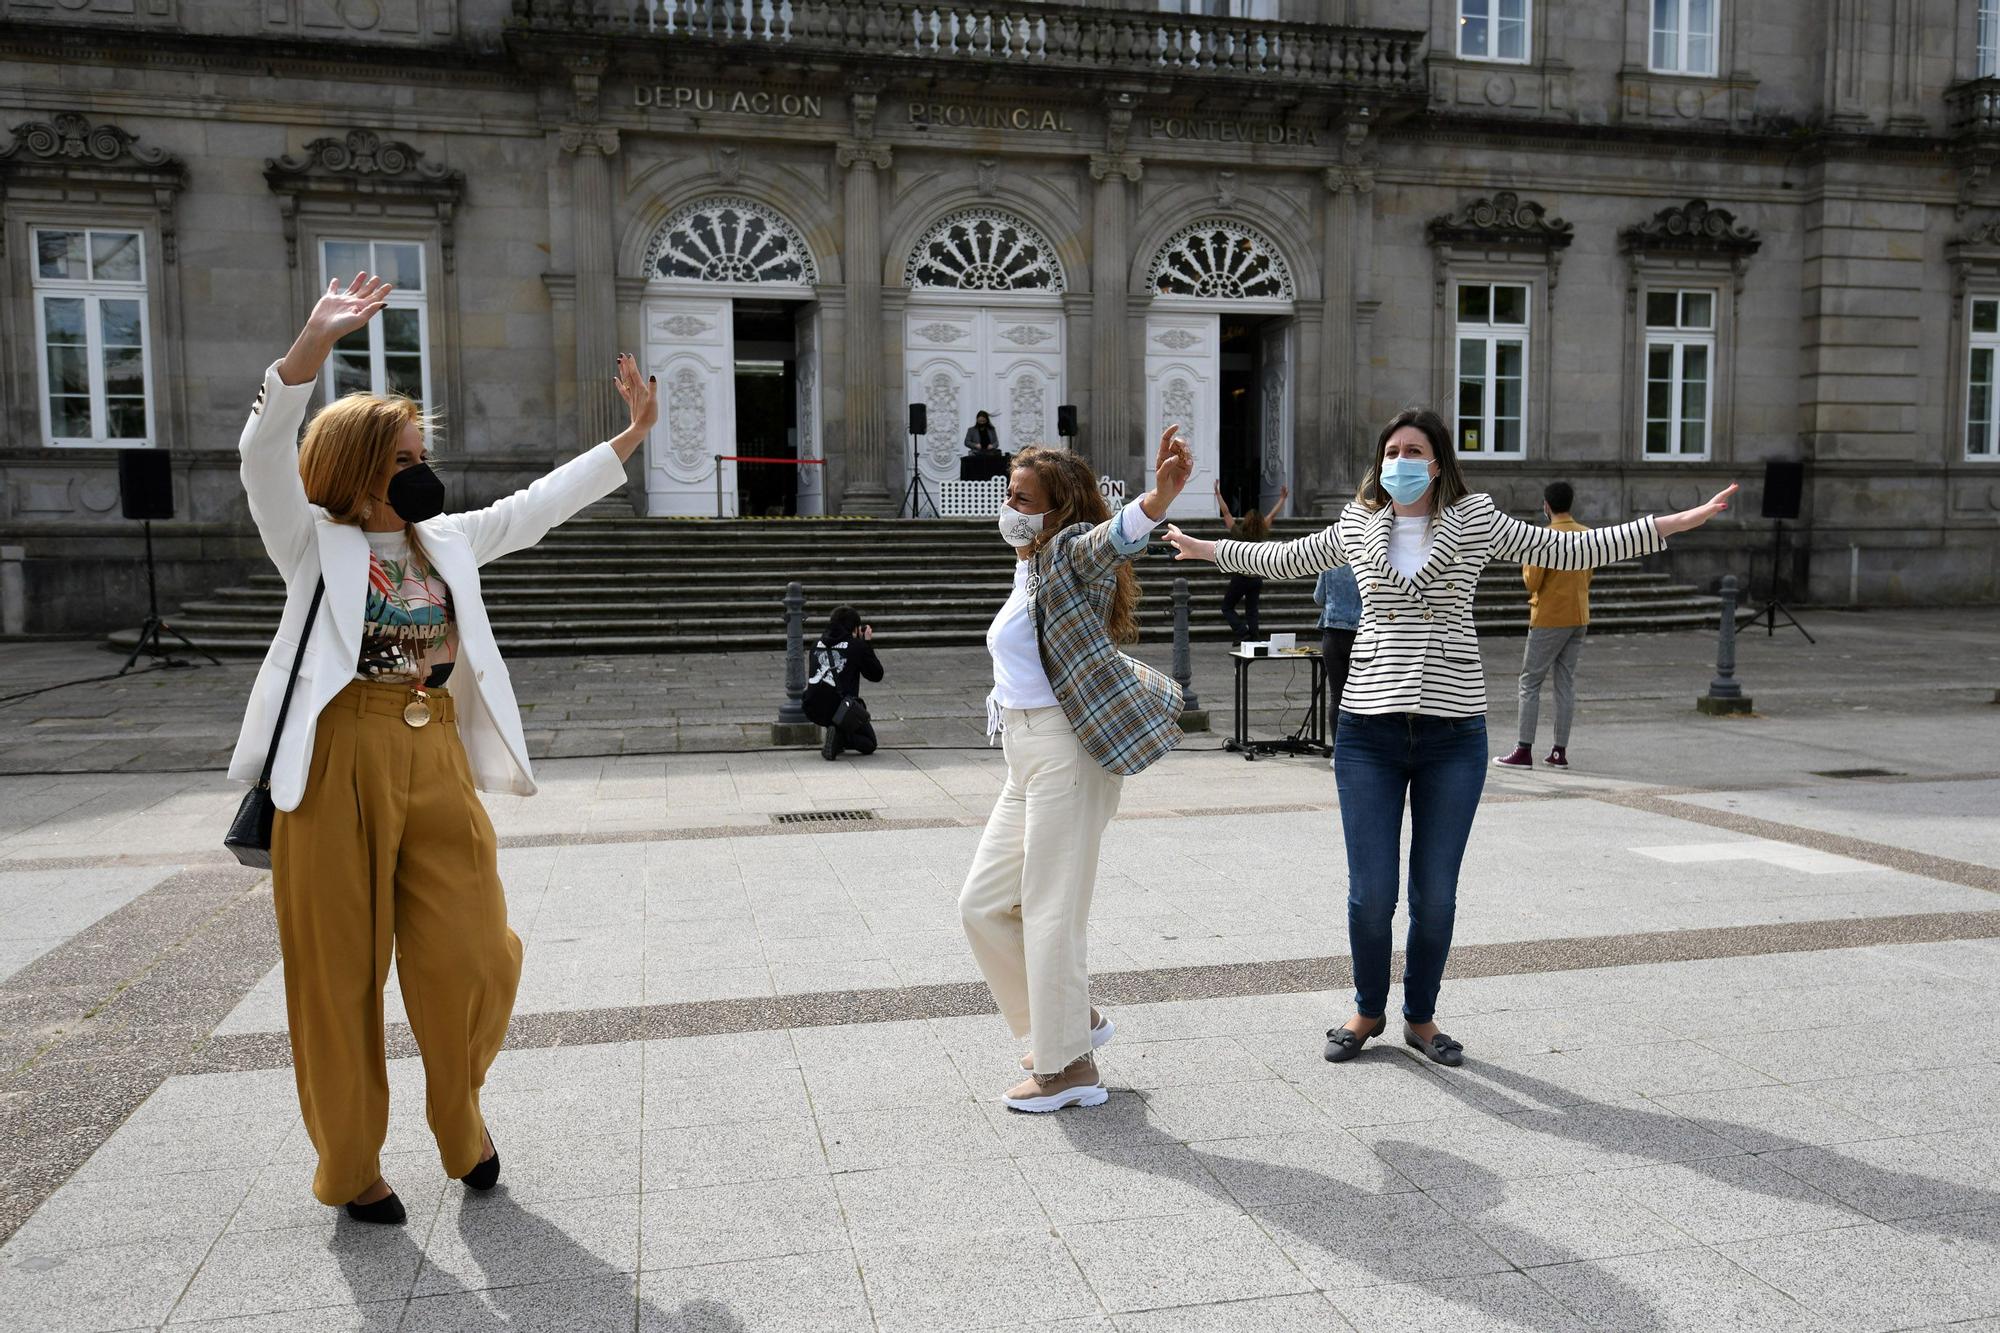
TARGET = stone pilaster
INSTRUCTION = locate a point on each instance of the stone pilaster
(869, 457)
(590, 148)
(1325, 479)
(1110, 430)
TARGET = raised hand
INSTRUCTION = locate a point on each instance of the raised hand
(1693, 518)
(1189, 548)
(337, 313)
(1172, 467)
(642, 396)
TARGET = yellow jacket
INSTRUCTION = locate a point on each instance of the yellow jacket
(1558, 598)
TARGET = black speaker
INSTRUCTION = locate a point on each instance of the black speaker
(1784, 484)
(1066, 419)
(145, 483)
(917, 422)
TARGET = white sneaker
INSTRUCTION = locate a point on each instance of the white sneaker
(1099, 1036)
(1087, 1094)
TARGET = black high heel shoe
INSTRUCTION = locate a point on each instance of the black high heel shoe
(386, 1211)
(1344, 1043)
(487, 1174)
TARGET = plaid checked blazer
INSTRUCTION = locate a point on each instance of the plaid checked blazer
(1126, 714)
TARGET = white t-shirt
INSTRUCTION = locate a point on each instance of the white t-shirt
(1409, 544)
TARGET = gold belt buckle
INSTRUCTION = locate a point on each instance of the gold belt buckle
(417, 712)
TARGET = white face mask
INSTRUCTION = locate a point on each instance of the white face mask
(1020, 529)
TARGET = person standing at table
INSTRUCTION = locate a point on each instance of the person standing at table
(1339, 601)
(980, 437)
(1413, 719)
(1558, 618)
(1246, 589)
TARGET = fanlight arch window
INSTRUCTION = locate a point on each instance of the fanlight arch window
(984, 250)
(1221, 260)
(729, 239)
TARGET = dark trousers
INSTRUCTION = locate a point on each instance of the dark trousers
(858, 734)
(1335, 645)
(1247, 589)
(1439, 764)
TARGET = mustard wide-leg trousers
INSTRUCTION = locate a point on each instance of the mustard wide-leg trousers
(390, 849)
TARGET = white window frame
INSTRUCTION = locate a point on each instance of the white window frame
(1493, 20)
(1492, 335)
(93, 292)
(1986, 38)
(1683, 36)
(399, 299)
(1679, 339)
(1976, 343)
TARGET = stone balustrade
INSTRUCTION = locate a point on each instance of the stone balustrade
(1033, 36)
(1973, 106)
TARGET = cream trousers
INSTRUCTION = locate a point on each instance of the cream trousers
(1026, 901)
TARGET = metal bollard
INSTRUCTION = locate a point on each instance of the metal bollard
(1193, 716)
(792, 726)
(1725, 694)
(13, 590)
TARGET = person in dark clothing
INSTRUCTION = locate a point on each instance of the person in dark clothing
(1254, 526)
(844, 654)
(980, 437)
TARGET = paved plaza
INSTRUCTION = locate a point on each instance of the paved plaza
(1729, 990)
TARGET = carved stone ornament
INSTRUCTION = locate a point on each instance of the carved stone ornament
(360, 172)
(1029, 410)
(1222, 260)
(1026, 335)
(1503, 219)
(684, 326)
(1692, 228)
(730, 239)
(102, 159)
(728, 165)
(940, 333)
(1177, 339)
(687, 423)
(1225, 189)
(1103, 166)
(1984, 235)
(941, 407)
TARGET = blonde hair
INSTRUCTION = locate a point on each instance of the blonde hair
(1071, 490)
(349, 444)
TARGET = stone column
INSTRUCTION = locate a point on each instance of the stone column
(1110, 428)
(597, 405)
(869, 457)
(1340, 415)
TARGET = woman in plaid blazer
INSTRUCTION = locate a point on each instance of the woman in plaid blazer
(1076, 716)
(1413, 712)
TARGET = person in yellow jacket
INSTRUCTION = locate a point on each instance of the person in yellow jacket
(1558, 618)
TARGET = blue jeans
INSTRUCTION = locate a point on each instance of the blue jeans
(1441, 763)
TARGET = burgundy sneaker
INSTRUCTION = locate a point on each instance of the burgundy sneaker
(1558, 757)
(1519, 757)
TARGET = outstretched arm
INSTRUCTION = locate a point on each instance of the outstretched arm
(1284, 494)
(1267, 560)
(1228, 519)
(1552, 549)
(1124, 534)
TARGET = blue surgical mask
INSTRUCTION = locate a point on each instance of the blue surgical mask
(1406, 479)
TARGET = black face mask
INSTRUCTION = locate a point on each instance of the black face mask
(416, 494)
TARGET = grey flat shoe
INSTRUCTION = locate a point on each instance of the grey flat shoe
(1344, 1043)
(1440, 1049)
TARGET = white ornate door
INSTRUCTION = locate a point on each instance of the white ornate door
(690, 345)
(1183, 364)
(812, 480)
(1274, 408)
(1006, 361)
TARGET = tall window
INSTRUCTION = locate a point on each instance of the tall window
(1981, 419)
(1494, 29)
(1989, 38)
(391, 353)
(1680, 373)
(90, 323)
(1684, 36)
(1492, 369)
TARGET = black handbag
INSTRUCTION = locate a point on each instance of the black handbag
(850, 712)
(249, 836)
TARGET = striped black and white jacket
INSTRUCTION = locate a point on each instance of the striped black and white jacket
(1417, 650)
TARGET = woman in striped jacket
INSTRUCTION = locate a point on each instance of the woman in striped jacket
(1413, 714)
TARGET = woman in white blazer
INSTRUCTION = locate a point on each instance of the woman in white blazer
(403, 707)
(1413, 713)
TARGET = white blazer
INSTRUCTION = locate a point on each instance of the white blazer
(1417, 649)
(305, 543)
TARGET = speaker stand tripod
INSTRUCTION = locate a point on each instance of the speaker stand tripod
(918, 494)
(1775, 608)
(150, 641)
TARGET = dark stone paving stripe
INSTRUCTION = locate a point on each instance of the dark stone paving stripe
(1152, 986)
(1970, 874)
(89, 1029)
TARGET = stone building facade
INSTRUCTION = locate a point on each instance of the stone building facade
(1644, 245)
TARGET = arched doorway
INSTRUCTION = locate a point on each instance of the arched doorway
(983, 331)
(1219, 356)
(732, 331)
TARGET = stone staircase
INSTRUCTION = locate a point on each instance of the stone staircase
(603, 584)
